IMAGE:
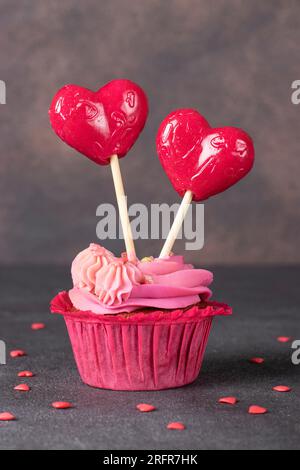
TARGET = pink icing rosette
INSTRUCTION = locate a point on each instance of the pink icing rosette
(115, 281)
(87, 264)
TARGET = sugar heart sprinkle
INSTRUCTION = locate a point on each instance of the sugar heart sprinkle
(282, 388)
(257, 360)
(25, 373)
(6, 416)
(61, 405)
(257, 410)
(228, 400)
(176, 426)
(284, 339)
(145, 408)
(38, 326)
(22, 388)
(17, 353)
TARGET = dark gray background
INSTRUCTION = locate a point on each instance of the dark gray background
(234, 60)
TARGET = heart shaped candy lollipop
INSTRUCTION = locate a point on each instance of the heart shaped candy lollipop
(201, 159)
(103, 126)
(100, 124)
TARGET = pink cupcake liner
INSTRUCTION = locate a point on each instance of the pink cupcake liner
(143, 351)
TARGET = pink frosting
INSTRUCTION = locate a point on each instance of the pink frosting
(87, 264)
(115, 281)
(120, 286)
(164, 266)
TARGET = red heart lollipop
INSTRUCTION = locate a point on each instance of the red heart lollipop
(201, 159)
(100, 124)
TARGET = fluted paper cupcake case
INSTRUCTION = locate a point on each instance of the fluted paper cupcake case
(147, 350)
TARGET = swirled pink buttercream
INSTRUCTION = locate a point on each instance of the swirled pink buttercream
(120, 286)
(87, 264)
(115, 281)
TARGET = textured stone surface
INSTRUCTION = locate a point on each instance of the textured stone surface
(233, 60)
(266, 305)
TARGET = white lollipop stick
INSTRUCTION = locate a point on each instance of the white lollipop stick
(178, 221)
(122, 204)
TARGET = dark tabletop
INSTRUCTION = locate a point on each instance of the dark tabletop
(266, 305)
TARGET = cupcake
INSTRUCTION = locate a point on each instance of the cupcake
(143, 325)
(140, 325)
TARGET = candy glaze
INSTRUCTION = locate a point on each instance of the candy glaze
(199, 158)
(100, 124)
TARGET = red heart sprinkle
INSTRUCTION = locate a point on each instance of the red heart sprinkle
(22, 388)
(282, 388)
(25, 373)
(17, 353)
(176, 426)
(284, 339)
(61, 405)
(38, 326)
(257, 410)
(228, 400)
(257, 360)
(6, 416)
(145, 408)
